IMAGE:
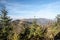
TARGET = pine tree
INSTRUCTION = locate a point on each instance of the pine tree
(5, 22)
(36, 31)
(15, 36)
(58, 19)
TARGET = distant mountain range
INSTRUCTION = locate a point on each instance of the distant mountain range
(41, 21)
(18, 24)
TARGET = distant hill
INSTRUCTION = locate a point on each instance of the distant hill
(41, 21)
(18, 24)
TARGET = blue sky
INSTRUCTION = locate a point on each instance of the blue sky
(19, 9)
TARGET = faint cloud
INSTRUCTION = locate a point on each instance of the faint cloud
(17, 10)
(3, 2)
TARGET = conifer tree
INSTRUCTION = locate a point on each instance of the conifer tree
(58, 19)
(36, 31)
(5, 22)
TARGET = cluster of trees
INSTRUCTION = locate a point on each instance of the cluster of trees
(9, 31)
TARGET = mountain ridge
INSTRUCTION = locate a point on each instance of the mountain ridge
(42, 21)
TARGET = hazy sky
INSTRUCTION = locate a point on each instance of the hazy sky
(19, 9)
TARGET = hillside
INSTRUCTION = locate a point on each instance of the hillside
(41, 21)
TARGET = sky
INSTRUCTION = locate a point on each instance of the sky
(21, 9)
